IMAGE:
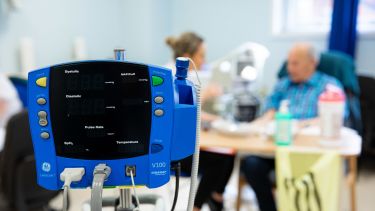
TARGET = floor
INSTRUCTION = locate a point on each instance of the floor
(365, 191)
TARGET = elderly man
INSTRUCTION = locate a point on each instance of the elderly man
(302, 88)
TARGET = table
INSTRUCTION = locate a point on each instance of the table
(306, 140)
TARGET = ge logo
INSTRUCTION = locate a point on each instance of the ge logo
(46, 167)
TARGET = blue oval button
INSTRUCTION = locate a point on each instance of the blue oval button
(155, 148)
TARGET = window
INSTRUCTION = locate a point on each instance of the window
(366, 16)
(314, 16)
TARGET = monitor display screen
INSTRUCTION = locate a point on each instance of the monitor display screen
(100, 110)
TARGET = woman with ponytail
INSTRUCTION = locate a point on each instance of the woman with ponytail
(215, 168)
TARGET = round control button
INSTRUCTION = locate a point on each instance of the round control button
(159, 112)
(41, 101)
(42, 114)
(44, 135)
(43, 122)
(159, 100)
(155, 148)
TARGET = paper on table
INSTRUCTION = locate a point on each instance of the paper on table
(346, 136)
(315, 131)
(231, 128)
(269, 128)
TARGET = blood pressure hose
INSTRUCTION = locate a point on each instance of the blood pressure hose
(101, 173)
(195, 164)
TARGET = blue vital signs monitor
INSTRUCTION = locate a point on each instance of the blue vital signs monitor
(122, 114)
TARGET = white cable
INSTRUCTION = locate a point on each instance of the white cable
(195, 164)
(196, 72)
(66, 188)
(65, 198)
(68, 176)
(134, 191)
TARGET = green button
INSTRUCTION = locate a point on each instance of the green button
(156, 80)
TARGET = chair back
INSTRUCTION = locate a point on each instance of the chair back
(18, 183)
(21, 86)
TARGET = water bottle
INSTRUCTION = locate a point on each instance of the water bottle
(283, 132)
(331, 108)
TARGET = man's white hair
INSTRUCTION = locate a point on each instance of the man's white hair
(309, 49)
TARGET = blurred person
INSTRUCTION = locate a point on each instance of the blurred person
(215, 168)
(10, 104)
(191, 45)
(302, 88)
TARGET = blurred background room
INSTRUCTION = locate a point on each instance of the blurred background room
(253, 59)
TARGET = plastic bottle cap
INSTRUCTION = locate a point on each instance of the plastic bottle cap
(332, 94)
(182, 62)
(284, 107)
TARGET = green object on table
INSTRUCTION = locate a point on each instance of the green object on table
(283, 130)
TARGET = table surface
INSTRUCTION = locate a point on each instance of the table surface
(349, 143)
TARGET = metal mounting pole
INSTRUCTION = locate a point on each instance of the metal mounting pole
(126, 203)
(119, 54)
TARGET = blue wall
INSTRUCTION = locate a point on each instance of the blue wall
(141, 27)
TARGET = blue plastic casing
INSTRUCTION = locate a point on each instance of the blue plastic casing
(172, 135)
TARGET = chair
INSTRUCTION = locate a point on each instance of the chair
(342, 67)
(21, 86)
(367, 99)
(291, 164)
(308, 180)
(18, 187)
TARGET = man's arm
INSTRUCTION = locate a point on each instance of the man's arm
(272, 103)
(266, 117)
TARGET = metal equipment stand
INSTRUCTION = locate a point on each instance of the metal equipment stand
(126, 202)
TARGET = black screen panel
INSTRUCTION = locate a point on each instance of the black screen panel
(100, 110)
